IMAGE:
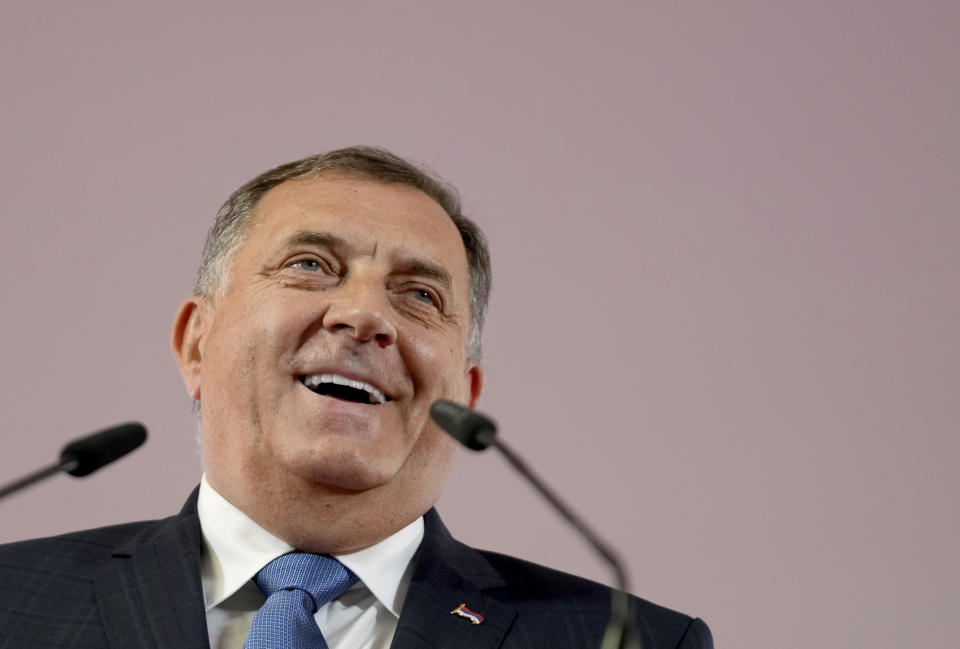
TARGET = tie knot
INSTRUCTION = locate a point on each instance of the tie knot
(322, 577)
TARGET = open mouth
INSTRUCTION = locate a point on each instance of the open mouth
(340, 387)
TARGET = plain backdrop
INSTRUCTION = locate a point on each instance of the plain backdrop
(726, 248)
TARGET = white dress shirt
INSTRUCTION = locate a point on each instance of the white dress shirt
(236, 548)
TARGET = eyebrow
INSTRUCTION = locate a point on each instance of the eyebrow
(426, 269)
(309, 237)
(411, 266)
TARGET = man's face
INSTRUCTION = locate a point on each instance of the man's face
(345, 315)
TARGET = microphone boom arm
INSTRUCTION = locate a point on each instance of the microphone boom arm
(37, 476)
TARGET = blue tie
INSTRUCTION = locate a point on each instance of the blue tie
(296, 585)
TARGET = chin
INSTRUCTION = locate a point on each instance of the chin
(345, 471)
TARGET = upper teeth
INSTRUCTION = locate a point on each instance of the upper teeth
(314, 380)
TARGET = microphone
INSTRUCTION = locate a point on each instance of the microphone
(469, 427)
(478, 432)
(85, 455)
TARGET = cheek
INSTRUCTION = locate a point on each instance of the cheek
(241, 353)
(443, 456)
(259, 337)
(438, 364)
(434, 455)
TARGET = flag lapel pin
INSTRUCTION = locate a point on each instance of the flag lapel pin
(464, 612)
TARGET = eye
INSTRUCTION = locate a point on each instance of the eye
(425, 296)
(309, 265)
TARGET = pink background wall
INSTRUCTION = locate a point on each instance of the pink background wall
(726, 247)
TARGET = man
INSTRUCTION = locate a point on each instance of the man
(338, 297)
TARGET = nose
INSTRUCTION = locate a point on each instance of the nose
(359, 308)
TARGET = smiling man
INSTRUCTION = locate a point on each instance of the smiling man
(344, 315)
(338, 297)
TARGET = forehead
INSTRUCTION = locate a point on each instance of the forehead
(373, 217)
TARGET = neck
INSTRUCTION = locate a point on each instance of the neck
(317, 518)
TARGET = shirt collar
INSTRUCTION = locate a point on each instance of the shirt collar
(237, 548)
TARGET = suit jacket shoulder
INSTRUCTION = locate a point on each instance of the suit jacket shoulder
(522, 604)
(123, 586)
(556, 594)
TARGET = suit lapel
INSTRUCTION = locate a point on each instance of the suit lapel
(446, 575)
(152, 597)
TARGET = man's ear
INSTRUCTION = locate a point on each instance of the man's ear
(474, 384)
(187, 339)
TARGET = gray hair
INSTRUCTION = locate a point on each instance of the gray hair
(230, 226)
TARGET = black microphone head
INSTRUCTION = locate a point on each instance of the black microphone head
(99, 449)
(468, 427)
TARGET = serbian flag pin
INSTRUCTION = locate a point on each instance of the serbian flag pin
(463, 611)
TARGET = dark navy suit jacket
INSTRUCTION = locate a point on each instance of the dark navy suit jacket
(138, 585)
